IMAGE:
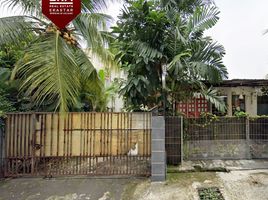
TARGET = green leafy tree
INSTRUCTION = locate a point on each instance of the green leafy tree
(155, 34)
(54, 70)
(9, 94)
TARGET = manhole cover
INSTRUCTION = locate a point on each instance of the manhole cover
(210, 193)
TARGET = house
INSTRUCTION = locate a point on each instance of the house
(248, 95)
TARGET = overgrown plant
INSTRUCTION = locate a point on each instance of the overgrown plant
(54, 69)
(154, 34)
(241, 114)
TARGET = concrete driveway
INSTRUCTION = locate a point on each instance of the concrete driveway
(67, 188)
(234, 185)
(247, 180)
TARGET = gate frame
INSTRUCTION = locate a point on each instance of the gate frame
(2, 149)
(27, 129)
(171, 128)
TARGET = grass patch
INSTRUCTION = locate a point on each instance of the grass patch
(197, 168)
(129, 190)
(186, 178)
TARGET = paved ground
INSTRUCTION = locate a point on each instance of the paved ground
(227, 164)
(67, 189)
(247, 180)
(235, 185)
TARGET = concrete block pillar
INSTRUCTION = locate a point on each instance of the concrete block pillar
(158, 149)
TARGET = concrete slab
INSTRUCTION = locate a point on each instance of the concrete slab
(235, 185)
(66, 189)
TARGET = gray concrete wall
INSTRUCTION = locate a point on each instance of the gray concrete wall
(216, 149)
(158, 149)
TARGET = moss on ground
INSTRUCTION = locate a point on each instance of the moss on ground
(130, 190)
(188, 177)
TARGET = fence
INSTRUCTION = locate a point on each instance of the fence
(1, 147)
(225, 138)
(50, 144)
(173, 136)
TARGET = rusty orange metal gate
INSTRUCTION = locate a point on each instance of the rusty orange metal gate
(51, 144)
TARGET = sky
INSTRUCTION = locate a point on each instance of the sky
(240, 30)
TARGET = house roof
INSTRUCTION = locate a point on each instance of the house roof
(243, 82)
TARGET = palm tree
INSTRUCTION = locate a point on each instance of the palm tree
(195, 58)
(54, 69)
(171, 36)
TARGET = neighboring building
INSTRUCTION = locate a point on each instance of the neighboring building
(116, 103)
(248, 95)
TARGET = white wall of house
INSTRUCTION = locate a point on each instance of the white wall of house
(249, 93)
(116, 102)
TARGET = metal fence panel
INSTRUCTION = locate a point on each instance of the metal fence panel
(225, 138)
(258, 135)
(51, 144)
(173, 135)
(2, 147)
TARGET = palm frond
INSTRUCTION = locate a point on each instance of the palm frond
(94, 5)
(16, 29)
(84, 63)
(49, 72)
(146, 50)
(30, 7)
(203, 18)
(207, 60)
(92, 29)
(176, 64)
(211, 96)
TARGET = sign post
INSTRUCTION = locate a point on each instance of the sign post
(61, 12)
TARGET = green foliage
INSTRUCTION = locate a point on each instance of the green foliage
(207, 119)
(151, 34)
(240, 114)
(212, 193)
(264, 90)
(5, 104)
(53, 72)
(9, 98)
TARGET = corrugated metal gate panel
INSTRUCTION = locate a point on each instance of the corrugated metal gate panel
(50, 144)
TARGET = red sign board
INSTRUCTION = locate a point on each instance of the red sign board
(61, 12)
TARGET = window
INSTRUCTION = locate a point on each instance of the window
(238, 103)
(262, 105)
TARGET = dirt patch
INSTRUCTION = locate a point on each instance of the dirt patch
(186, 179)
(130, 189)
